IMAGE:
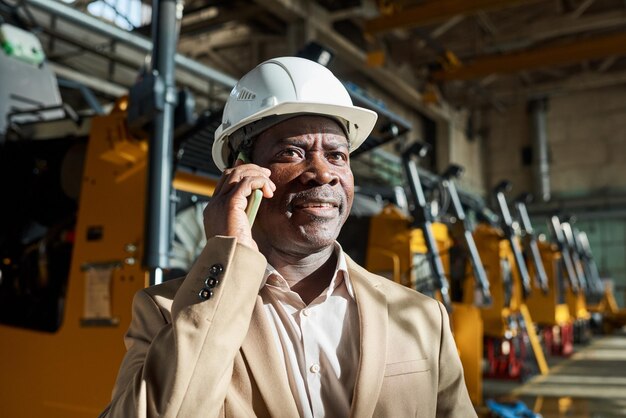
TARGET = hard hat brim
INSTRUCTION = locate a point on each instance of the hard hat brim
(359, 124)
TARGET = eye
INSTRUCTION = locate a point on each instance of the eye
(337, 157)
(290, 153)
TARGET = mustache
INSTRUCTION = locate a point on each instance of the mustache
(322, 193)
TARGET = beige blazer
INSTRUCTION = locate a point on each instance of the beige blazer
(215, 358)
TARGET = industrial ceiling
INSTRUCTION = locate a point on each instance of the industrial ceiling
(429, 55)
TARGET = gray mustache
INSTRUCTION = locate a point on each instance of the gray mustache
(325, 193)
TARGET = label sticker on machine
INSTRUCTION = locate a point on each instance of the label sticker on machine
(97, 302)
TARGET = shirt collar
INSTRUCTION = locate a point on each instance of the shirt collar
(276, 279)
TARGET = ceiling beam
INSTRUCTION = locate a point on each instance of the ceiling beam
(217, 59)
(222, 18)
(94, 83)
(224, 38)
(576, 83)
(432, 11)
(607, 63)
(388, 79)
(554, 27)
(549, 56)
(581, 9)
(446, 26)
(538, 30)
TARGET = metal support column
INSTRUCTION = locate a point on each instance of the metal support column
(166, 16)
(541, 163)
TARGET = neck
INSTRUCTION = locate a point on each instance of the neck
(306, 275)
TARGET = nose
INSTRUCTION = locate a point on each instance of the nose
(319, 171)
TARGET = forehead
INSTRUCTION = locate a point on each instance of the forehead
(306, 125)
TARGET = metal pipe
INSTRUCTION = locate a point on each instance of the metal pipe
(60, 10)
(166, 14)
(541, 164)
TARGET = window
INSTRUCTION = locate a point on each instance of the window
(127, 14)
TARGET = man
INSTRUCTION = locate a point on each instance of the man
(275, 320)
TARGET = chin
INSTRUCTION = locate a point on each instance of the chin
(318, 236)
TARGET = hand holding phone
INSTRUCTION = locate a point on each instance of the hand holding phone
(254, 200)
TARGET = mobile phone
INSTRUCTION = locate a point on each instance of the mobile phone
(254, 200)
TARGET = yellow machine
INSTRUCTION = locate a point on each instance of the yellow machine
(613, 317)
(397, 251)
(549, 309)
(546, 299)
(575, 297)
(70, 373)
(508, 317)
(599, 297)
(577, 304)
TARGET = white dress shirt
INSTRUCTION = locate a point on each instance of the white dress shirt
(319, 343)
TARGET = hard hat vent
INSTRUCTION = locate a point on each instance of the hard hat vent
(245, 94)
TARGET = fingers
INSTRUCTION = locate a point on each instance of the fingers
(225, 175)
(225, 213)
(247, 185)
(245, 178)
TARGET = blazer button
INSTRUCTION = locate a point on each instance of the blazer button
(212, 282)
(205, 294)
(216, 270)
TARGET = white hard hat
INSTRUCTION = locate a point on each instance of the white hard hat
(289, 86)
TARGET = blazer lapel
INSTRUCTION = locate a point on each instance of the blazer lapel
(372, 306)
(266, 367)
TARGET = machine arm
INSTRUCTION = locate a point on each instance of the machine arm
(568, 234)
(530, 242)
(566, 257)
(582, 242)
(506, 223)
(422, 218)
(451, 173)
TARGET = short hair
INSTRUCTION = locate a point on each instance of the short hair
(245, 147)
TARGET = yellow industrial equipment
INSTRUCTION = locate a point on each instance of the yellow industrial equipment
(575, 297)
(510, 337)
(70, 372)
(546, 300)
(613, 317)
(507, 320)
(577, 305)
(548, 307)
(600, 299)
(506, 290)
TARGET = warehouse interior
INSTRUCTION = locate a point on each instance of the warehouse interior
(509, 116)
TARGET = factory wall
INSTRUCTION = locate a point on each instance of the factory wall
(587, 147)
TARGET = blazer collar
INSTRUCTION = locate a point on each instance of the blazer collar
(266, 366)
(372, 306)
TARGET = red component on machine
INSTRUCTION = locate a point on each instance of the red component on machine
(507, 358)
(559, 339)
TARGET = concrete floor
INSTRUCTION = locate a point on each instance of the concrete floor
(591, 383)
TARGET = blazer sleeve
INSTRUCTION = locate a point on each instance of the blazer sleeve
(452, 399)
(183, 368)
